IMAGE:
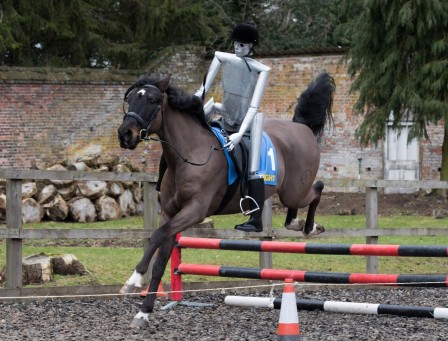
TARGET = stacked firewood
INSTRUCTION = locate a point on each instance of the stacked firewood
(80, 201)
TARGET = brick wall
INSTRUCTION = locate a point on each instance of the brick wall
(49, 115)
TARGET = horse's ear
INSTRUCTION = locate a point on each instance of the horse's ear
(164, 83)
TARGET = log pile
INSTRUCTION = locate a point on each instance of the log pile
(79, 201)
(40, 268)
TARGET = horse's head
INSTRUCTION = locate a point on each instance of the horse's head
(144, 101)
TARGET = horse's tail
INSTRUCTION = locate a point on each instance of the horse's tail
(314, 106)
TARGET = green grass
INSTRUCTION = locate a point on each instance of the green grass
(113, 265)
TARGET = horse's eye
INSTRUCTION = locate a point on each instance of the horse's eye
(152, 101)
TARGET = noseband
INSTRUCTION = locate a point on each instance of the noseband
(143, 125)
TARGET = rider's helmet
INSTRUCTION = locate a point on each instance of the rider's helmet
(245, 33)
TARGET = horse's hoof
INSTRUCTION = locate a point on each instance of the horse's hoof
(296, 225)
(139, 323)
(317, 229)
(127, 289)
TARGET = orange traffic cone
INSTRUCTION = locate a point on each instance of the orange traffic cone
(160, 291)
(288, 325)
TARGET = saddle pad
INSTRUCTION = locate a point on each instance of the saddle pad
(268, 160)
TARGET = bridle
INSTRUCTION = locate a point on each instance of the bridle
(144, 135)
(143, 125)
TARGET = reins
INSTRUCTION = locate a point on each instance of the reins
(212, 149)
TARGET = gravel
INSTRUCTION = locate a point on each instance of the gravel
(110, 319)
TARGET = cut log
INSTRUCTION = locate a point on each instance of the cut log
(89, 160)
(127, 204)
(68, 192)
(121, 168)
(59, 183)
(68, 265)
(47, 194)
(108, 161)
(92, 189)
(57, 209)
(114, 189)
(32, 211)
(81, 210)
(139, 208)
(78, 166)
(37, 269)
(137, 194)
(102, 168)
(29, 189)
(107, 208)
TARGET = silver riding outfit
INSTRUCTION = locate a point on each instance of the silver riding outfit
(243, 81)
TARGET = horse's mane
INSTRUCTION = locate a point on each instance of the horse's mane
(177, 99)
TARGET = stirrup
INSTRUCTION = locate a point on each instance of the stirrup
(249, 211)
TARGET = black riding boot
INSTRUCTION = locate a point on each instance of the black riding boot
(162, 168)
(256, 191)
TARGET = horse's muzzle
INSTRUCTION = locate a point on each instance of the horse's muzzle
(125, 137)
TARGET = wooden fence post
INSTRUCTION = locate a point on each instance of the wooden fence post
(372, 223)
(150, 222)
(265, 258)
(13, 245)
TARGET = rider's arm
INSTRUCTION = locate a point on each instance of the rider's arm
(210, 77)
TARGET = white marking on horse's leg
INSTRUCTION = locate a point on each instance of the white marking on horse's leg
(295, 225)
(317, 229)
(135, 281)
(141, 320)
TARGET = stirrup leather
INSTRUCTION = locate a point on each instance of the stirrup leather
(249, 211)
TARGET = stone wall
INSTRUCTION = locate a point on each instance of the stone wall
(49, 115)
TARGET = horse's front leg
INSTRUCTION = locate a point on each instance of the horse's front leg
(135, 281)
(141, 320)
(164, 239)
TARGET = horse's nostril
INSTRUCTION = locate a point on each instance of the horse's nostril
(128, 135)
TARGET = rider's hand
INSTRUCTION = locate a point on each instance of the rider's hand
(199, 93)
(234, 139)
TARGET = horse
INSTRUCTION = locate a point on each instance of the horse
(195, 182)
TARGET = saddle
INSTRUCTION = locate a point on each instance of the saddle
(238, 162)
(240, 154)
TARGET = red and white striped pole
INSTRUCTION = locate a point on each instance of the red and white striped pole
(288, 325)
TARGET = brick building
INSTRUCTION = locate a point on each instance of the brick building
(50, 115)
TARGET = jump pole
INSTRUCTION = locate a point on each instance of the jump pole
(314, 277)
(341, 307)
(315, 248)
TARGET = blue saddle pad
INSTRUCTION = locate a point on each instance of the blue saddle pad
(268, 160)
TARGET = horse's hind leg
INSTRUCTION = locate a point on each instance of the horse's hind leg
(141, 320)
(291, 222)
(311, 228)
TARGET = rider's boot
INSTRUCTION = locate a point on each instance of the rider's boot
(256, 191)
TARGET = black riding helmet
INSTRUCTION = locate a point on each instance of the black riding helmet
(245, 33)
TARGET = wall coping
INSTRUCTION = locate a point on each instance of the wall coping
(66, 75)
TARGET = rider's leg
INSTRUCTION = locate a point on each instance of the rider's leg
(162, 168)
(255, 183)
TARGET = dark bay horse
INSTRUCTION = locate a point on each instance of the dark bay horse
(190, 193)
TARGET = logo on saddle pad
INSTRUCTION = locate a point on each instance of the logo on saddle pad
(268, 160)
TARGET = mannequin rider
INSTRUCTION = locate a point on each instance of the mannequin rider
(243, 81)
